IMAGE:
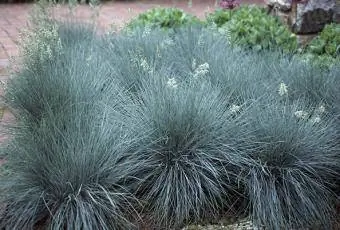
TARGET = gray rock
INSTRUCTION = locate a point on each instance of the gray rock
(311, 17)
(336, 13)
(282, 5)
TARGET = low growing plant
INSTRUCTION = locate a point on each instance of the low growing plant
(137, 54)
(67, 162)
(297, 157)
(324, 50)
(170, 127)
(166, 18)
(327, 42)
(189, 166)
(51, 80)
(252, 27)
(69, 171)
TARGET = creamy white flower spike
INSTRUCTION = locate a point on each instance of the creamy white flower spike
(42, 43)
(200, 41)
(283, 89)
(201, 70)
(167, 43)
(147, 31)
(172, 83)
(235, 108)
(321, 109)
(144, 64)
(301, 114)
(194, 63)
(315, 120)
(3, 85)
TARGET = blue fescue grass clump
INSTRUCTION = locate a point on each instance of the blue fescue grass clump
(68, 173)
(67, 160)
(55, 74)
(202, 53)
(297, 161)
(333, 95)
(192, 156)
(132, 55)
(172, 128)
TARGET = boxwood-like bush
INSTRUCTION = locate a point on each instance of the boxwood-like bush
(167, 18)
(252, 27)
(327, 42)
(324, 49)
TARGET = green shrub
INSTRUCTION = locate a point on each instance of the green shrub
(220, 17)
(164, 18)
(324, 50)
(327, 42)
(252, 27)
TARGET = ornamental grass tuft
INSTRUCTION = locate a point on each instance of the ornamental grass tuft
(67, 160)
(297, 162)
(166, 128)
(192, 158)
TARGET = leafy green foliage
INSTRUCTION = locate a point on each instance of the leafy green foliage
(164, 18)
(327, 42)
(219, 17)
(321, 61)
(252, 27)
(324, 50)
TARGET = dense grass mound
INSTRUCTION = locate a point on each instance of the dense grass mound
(67, 160)
(172, 127)
(59, 69)
(193, 154)
(137, 54)
(297, 156)
(68, 174)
